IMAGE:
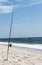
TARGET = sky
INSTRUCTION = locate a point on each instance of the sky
(27, 19)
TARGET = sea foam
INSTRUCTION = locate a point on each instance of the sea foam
(35, 46)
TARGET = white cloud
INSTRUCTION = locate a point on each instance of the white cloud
(28, 3)
(22, 3)
(3, 0)
(35, 3)
(6, 9)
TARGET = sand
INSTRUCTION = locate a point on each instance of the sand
(19, 56)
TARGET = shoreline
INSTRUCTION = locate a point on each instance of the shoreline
(24, 48)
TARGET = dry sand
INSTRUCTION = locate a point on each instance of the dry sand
(18, 56)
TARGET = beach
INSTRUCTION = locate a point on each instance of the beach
(19, 56)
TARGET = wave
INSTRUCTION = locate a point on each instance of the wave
(34, 46)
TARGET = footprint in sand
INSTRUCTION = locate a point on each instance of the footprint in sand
(19, 60)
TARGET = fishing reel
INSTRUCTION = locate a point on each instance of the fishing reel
(10, 45)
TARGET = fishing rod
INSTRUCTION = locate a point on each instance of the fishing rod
(9, 45)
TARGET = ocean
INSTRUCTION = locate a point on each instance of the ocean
(30, 40)
(27, 42)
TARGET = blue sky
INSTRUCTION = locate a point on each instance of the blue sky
(27, 20)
